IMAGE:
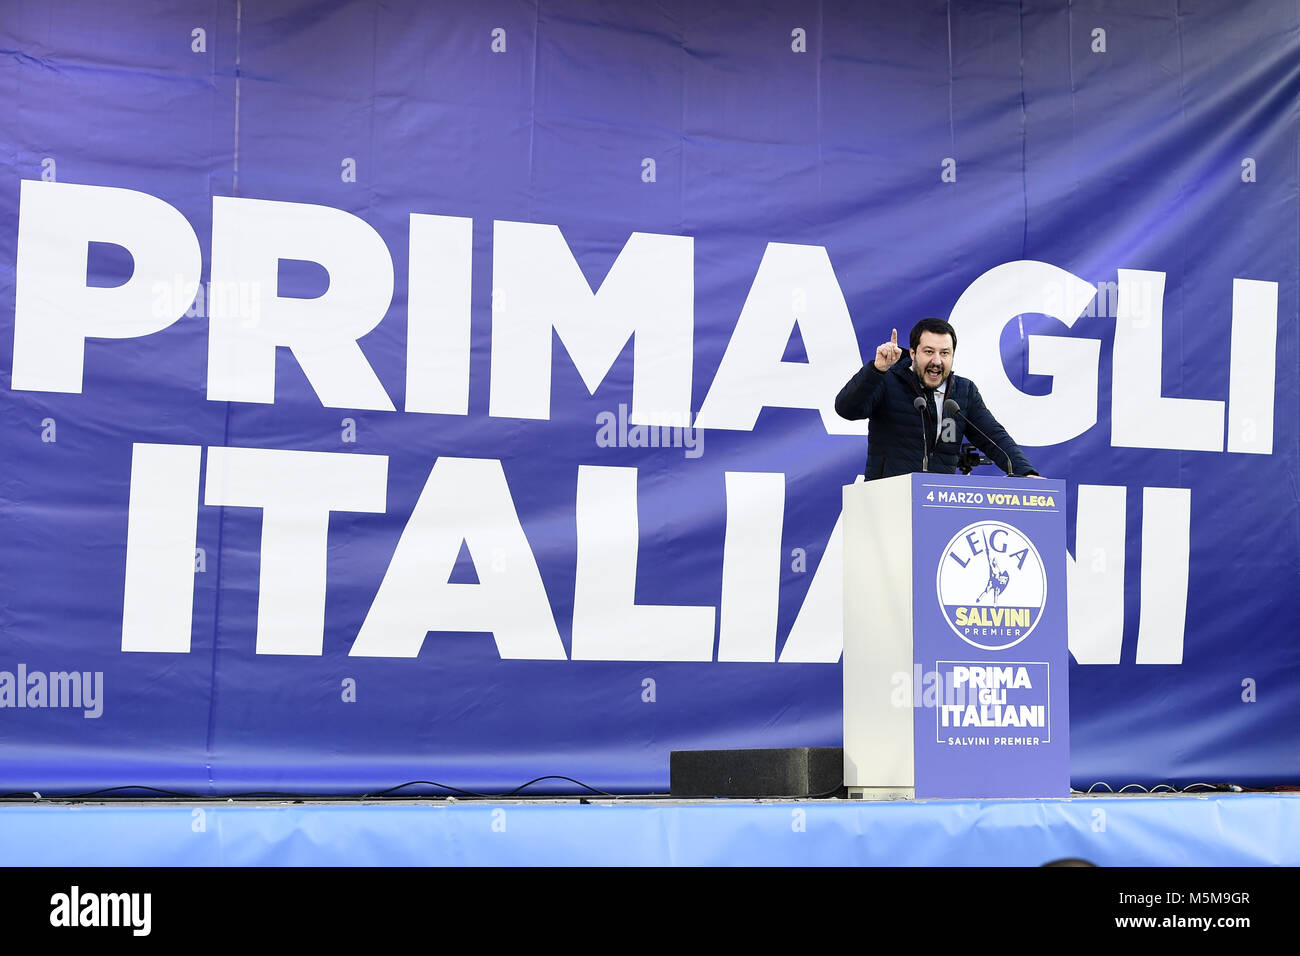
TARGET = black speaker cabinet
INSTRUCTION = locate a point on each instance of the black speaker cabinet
(785, 772)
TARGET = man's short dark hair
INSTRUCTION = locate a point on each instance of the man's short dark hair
(937, 326)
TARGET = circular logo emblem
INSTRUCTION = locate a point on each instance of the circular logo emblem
(992, 585)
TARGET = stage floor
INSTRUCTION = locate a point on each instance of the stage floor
(1109, 830)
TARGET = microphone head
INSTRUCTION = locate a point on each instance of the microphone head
(919, 404)
(951, 407)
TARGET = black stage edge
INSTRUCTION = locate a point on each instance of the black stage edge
(781, 772)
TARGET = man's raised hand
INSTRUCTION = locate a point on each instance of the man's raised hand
(888, 353)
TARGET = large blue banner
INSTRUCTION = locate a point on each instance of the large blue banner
(444, 392)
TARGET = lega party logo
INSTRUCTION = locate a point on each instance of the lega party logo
(992, 585)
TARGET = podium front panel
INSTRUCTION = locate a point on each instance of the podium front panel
(989, 637)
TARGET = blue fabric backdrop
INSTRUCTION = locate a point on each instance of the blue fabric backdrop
(920, 145)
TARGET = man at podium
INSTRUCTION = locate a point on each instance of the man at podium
(920, 412)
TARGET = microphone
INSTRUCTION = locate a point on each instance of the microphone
(952, 408)
(919, 404)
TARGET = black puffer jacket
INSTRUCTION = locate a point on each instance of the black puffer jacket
(894, 443)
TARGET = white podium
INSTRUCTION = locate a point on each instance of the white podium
(956, 667)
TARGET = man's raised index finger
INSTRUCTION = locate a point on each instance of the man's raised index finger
(893, 337)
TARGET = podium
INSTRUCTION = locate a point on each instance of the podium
(956, 669)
